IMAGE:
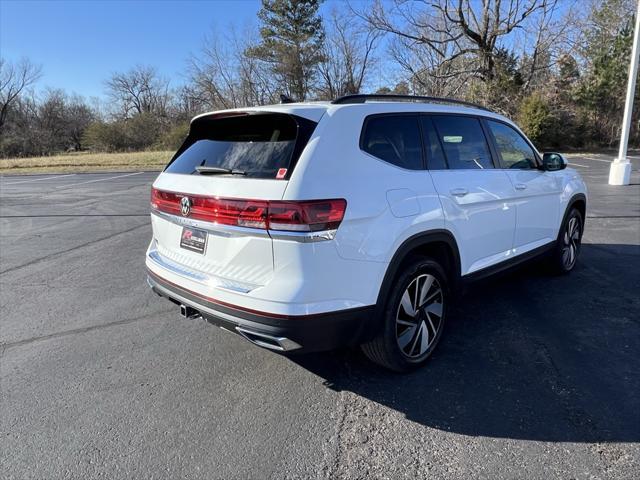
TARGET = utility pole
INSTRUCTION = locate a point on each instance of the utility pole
(620, 172)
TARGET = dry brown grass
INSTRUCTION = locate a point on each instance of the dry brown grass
(86, 162)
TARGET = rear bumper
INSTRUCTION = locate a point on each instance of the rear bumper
(299, 333)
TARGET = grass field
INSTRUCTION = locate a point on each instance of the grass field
(86, 162)
(96, 162)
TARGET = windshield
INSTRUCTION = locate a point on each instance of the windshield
(262, 145)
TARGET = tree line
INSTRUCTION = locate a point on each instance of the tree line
(558, 67)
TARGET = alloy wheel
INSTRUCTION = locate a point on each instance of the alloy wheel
(571, 243)
(419, 316)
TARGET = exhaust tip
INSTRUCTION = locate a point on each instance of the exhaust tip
(280, 344)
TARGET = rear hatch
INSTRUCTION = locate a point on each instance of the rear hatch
(209, 206)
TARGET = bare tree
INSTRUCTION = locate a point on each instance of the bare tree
(14, 78)
(140, 90)
(79, 116)
(552, 34)
(455, 30)
(186, 103)
(257, 85)
(348, 56)
(427, 73)
(212, 74)
(223, 76)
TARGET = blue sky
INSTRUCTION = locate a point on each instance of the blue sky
(80, 43)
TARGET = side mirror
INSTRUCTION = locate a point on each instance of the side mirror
(552, 162)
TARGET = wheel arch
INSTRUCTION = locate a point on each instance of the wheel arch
(438, 244)
(578, 201)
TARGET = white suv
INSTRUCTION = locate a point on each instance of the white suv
(308, 226)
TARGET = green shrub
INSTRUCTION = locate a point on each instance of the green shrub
(105, 137)
(173, 138)
(538, 121)
(137, 133)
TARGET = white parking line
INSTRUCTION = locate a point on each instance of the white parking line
(38, 179)
(578, 165)
(100, 180)
(594, 159)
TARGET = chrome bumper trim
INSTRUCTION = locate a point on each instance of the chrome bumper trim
(200, 277)
(303, 237)
(234, 231)
(212, 228)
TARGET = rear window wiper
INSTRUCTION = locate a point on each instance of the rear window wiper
(203, 170)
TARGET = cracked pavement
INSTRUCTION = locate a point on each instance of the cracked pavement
(536, 376)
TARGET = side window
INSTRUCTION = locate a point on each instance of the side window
(463, 140)
(514, 151)
(394, 139)
(435, 155)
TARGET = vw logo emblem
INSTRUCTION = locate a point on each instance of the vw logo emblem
(185, 206)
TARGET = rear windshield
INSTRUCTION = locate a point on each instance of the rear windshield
(256, 145)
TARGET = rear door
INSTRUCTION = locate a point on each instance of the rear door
(208, 206)
(535, 192)
(475, 195)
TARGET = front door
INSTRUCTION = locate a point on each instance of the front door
(536, 193)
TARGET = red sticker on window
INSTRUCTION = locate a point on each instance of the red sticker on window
(281, 173)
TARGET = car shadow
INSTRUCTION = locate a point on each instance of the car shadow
(525, 356)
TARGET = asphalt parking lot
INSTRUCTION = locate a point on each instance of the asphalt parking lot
(536, 377)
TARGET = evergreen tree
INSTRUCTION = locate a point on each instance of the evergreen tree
(292, 38)
(608, 53)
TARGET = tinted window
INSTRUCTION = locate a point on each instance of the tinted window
(514, 150)
(258, 144)
(394, 139)
(463, 140)
(435, 155)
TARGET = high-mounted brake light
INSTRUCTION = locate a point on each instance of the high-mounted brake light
(295, 216)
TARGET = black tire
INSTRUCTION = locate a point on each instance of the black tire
(567, 248)
(424, 326)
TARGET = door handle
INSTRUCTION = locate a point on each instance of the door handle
(459, 192)
(520, 186)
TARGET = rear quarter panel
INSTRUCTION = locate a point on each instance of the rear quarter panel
(385, 204)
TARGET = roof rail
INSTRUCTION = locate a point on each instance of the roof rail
(362, 98)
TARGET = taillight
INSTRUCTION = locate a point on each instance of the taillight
(306, 216)
(165, 201)
(241, 213)
(223, 211)
(296, 216)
